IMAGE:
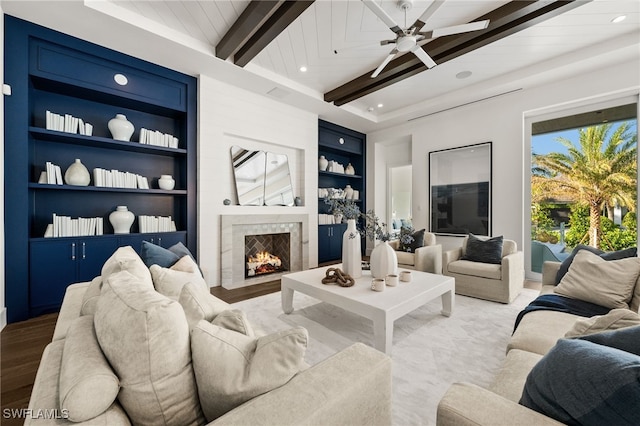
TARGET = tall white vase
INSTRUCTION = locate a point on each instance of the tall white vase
(351, 250)
(383, 261)
(121, 219)
(323, 163)
(121, 129)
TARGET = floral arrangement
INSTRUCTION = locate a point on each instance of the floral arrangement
(342, 206)
(374, 229)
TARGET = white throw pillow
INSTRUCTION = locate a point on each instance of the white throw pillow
(199, 304)
(615, 319)
(605, 283)
(126, 259)
(234, 320)
(169, 281)
(232, 368)
(145, 337)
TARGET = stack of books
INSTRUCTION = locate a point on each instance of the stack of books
(65, 226)
(67, 123)
(156, 224)
(116, 179)
(155, 137)
(52, 174)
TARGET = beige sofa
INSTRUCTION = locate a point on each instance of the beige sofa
(468, 404)
(352, 387)
(427, 258)
(497, 282)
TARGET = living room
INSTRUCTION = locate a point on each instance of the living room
(497, 110)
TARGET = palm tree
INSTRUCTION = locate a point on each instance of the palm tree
(600, 171)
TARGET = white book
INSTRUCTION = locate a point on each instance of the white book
(48, 120)
(143, 135)
(74, 124)
(59, 122)
(81, 126)
(51, 174)
(56, 231)
(58, 175)
(67, 123)
(88, 129)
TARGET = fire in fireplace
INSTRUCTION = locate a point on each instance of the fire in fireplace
(266, 254)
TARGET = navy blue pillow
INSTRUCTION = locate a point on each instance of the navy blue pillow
(579, 382)
(484, 251)
(626, 339)
(416, 243)
(606, 255)
(153, 254)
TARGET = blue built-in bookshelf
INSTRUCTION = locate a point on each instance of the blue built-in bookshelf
(51, 71)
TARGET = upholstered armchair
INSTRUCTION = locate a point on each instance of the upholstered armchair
(490, 281)
(427, 258)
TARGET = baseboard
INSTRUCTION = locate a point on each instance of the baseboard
(3, 318)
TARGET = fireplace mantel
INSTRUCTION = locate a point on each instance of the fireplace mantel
(235, 227)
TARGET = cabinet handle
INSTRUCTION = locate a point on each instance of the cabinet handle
(84, 251)
(160, 241)
(73, 251)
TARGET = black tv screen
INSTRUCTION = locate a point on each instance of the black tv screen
(460, 208)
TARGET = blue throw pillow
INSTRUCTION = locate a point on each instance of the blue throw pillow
(484, 251)
(606, 255)
(626, 339)
(181, 250)
(579, 382)
(153, 254)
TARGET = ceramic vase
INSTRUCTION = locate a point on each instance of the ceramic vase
(166, 182)
(348, 192)
(351, 250)
(383, 261)
(121, 219)
(323, 163)
(77, 174)
(121, 129)
(349, 170)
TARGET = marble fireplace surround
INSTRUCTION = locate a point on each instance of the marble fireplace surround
(235, 227)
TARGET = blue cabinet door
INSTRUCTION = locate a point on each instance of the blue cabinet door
(92, 253)
(330, 242)
(52, 269)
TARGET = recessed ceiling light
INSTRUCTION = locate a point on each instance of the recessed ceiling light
(380, 105)
(618, 19)
(121, 79)
(463, 74)
(303, 69)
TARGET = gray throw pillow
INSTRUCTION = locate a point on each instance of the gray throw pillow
(416, 243)
(484, 250)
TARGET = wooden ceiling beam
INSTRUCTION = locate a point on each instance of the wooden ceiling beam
(257, 28)
(504, 21)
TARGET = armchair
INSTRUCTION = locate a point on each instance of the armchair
(427, 258)
(497, 282)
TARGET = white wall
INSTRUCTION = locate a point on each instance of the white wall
(500, 120)
(230, 116)
(3, 308)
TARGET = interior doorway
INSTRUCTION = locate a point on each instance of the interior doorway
(399, 197)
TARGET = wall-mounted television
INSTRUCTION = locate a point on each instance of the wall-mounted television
(460, 208)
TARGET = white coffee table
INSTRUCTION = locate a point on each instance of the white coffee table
(383, 308)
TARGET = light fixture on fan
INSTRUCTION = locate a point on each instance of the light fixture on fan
(409, 39)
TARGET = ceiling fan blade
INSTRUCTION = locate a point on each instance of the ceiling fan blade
(384, 16)
(464, 28)
(384, 63)
(422, 55)
(433, 7)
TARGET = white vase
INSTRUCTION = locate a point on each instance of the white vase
(351, 250)
(166, 182)
(323, 163)
(77, 174)
(348, 192)
(121, 129)
(383, 261)
(121, 219)
(349, 170)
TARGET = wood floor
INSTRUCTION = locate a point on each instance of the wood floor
(22, 344)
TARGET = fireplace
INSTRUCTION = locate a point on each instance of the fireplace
(266, 254)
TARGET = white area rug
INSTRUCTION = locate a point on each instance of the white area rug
(430, 351)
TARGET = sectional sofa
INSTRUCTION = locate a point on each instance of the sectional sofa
(141, 345)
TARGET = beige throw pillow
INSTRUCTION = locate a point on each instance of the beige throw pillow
(87, 384)
(145, 337)
(90, 297)
(615, 319)
(234, 320)
(606, 283)
(199, 304)
(169, 281)
(232, 368)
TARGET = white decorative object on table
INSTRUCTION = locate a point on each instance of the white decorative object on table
(348, 192)
(405, 276)
(351, 250)
(377, 284)
(349, 170)
(323, 163)
(166, 182)
(121, 219)
(391, 280)
(121, 129)
(77, 174)
(383, 261)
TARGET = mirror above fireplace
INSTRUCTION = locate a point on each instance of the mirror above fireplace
(262, 178)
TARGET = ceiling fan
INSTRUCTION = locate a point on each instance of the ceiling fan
(409, 39)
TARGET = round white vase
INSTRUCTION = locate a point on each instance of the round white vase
(166, 182)
(121, 219)
(77, 174)
(349, 170)
(121, 129)
(323, 163)
(351, 250)
(383, 261)
(348, 192)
